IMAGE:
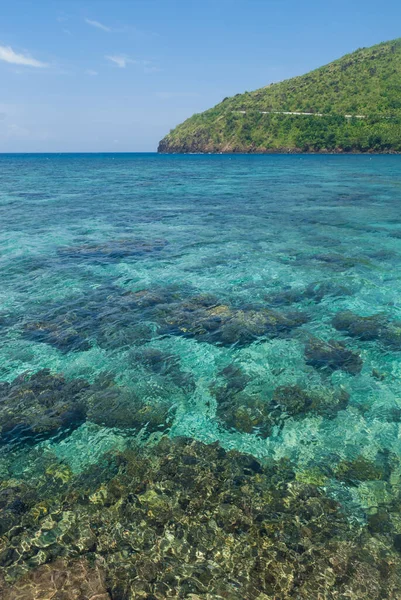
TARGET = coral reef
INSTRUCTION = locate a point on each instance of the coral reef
(332, 355)
(106, 315)
(37, 406)
(315, 291)
(112, 406)
(295, 401)
(34, 406)
(114, 317)
(207, 319)
(375, 327)
(164, 364)
(338, 262)
(237, 409)
(359, 469)
(257, 412)
(246, 413)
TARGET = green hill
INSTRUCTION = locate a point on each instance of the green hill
(366, 83)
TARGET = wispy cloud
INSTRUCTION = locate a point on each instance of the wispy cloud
(98, 25)
(120, 60)
(8, 55)
(91, 72)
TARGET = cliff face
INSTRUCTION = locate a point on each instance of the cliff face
(350, 105)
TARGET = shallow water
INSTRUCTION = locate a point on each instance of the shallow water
(195, 296)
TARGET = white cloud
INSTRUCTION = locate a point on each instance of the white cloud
(8, 55)
(120, 60)
(98, 25)
(91, 72)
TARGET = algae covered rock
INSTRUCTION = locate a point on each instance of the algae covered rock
(115, 318)
(316, 292)
(164, 364)
(237, 409)
(207, 319)
(246, 413)
(375, 327)
(186, 520)
(60, 334)
(293, 400)
(38, 405)
(63, 579)
(332, 355)
(359, 469)
(113, 406)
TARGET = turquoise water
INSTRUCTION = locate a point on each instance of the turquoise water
(220, 298)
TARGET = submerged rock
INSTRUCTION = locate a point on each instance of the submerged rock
(375, 327)
(39, 405)
(64, 579)
(332, 355)
(112, 250)
(252, 412)
(205, 319)
(35, 407)
(245, 413)
(315, 291)
(360, 469)
(60, 334)
(164, 364)
(115, 318)
(190, 520)
(294, 401)
(126, 410)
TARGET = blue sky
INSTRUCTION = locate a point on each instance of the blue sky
(117, 75)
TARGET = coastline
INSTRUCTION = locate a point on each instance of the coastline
(288, 152)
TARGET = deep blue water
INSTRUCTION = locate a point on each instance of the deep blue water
(205, 296)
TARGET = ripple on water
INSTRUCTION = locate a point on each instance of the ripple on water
(200, 376)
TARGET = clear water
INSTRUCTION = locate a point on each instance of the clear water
(84, 238)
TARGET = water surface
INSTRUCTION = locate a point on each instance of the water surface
(222, 299)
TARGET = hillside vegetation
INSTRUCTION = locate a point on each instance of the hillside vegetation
(365, 83)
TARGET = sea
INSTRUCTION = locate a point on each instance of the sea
(200, 376)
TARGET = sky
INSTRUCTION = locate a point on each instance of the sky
(116, 76)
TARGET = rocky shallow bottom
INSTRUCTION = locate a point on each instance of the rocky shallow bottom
(200, 391)
(187, 520)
